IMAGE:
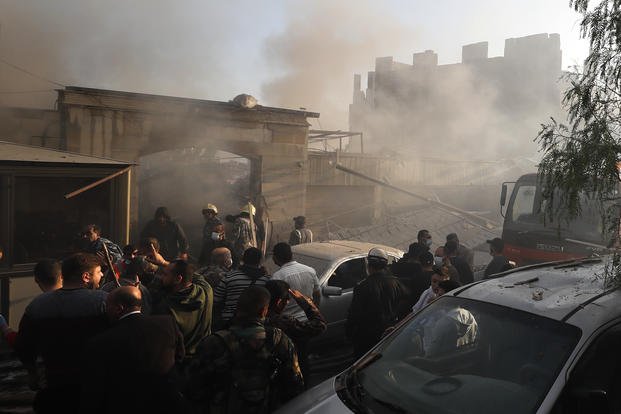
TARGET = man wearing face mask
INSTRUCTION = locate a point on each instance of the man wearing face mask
(424, 239)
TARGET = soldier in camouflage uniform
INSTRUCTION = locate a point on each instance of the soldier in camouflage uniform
(244, 235)
(299, 331)
(249, 368)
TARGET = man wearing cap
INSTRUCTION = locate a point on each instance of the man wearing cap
(300, 233)
(374, 305)
(211, 233)
(499, 262)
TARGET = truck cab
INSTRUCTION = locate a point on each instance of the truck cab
(530, 237)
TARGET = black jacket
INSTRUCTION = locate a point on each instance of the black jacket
(413, 279)
(170, 236)
(463, 268)
(131, 363)
(374, 308)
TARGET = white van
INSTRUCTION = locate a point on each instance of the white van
(541, 339)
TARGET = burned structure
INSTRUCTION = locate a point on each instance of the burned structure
(130, 126)
(480, 108)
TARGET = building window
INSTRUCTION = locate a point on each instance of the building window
(48, 225)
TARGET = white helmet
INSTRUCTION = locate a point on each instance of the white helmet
(211, 207)
(248, 208)
(377, 255)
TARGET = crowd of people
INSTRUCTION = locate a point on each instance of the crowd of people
(390, 292)
(141, 329)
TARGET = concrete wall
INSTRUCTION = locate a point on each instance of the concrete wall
(332, 206)
(30, 126)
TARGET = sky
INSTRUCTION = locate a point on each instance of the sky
(293, 53)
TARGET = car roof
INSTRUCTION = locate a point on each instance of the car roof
(336, 249)
(567, 289)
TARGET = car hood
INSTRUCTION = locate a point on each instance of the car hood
(319, 399)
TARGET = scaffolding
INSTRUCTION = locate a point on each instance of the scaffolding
(323, 136)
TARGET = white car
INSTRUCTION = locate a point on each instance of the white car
(541, 339)
(340, 265)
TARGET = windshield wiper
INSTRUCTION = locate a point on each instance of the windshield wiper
(354, 389)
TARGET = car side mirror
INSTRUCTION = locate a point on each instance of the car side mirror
(332, 291)
(503, 195)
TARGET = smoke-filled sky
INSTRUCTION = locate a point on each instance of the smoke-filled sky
(289, 53)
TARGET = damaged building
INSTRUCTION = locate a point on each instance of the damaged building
(496, 103)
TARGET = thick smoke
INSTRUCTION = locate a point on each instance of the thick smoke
(153, 46)
(323, 44)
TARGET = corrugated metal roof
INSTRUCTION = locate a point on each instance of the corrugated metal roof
(18, 153)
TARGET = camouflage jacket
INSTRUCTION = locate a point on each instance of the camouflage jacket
(242, 236)
(212, 274)
(299, 331)
(213, 382)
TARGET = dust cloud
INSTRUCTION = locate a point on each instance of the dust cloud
(152, 46)
(323, 44)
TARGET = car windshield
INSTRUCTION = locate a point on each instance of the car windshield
(462, 356)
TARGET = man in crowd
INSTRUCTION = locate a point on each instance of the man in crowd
(129, 252)
(218, 240)
(300, 233)
(465, 272)
(189, 303)
(56, 326)
(211, 234)
(132, 276)
(299, 276)
(409, 270)
(424, 238)
(226, 295)
(47, 275)
(107, 251)
(499, 262)
(250, 368)
(222, 262)
(149, 250)
(169, 234)
(133, 369)
(462, 251)
(439, 274)
(375, 303)
(244, 231)
(300, 332)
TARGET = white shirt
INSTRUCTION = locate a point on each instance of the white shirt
(426, 297)
(299, 277)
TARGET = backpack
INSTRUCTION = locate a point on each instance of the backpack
(252, 371)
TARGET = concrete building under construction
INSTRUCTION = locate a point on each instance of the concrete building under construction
(428, 109)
